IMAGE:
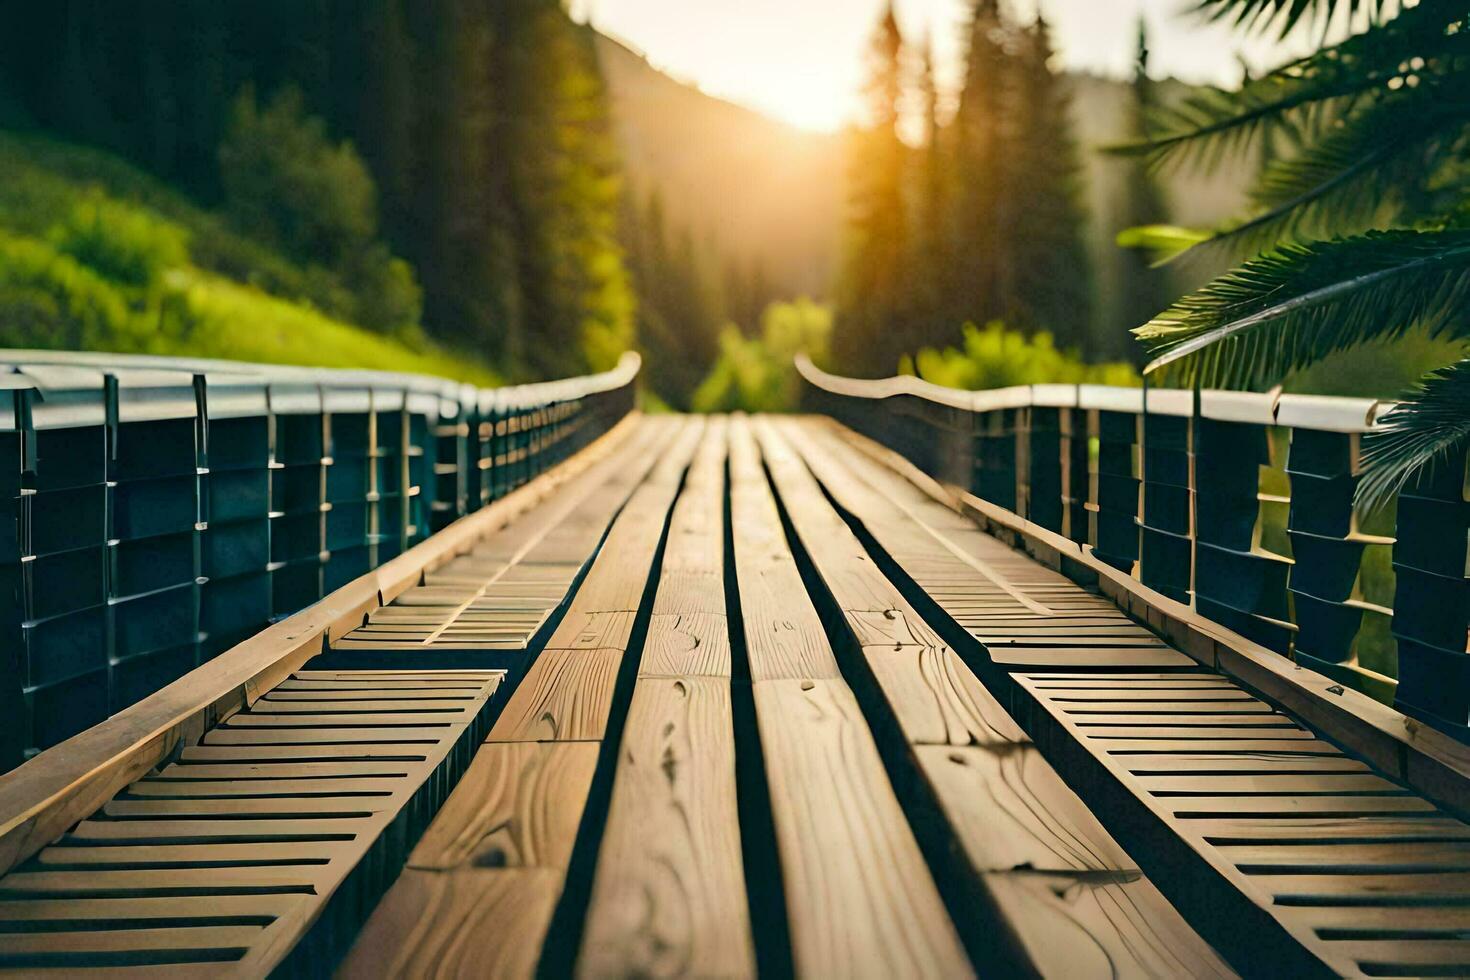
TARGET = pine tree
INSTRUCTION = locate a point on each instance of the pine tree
(983, 199)
(868, 338)
(930, 317)
(1143, 291)
(679, 311)
(1046, 275)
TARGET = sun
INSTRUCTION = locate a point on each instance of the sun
(808, 101)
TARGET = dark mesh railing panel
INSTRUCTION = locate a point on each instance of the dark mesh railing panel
(1189, 496)
(159, 511)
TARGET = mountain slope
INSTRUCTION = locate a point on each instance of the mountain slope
(756, 188)
(752, 187)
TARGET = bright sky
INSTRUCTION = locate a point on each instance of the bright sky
(802, 60)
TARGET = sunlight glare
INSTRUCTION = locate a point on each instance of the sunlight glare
(806, 101)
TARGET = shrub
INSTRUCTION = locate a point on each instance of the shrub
(756, 374)
(50, 300)
(388, 296)
(286, 183)
(996, 357)
(120, 242)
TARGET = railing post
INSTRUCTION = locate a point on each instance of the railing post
(1113, 420)
(1166, 504)
(1238, 582)
(1431, 561)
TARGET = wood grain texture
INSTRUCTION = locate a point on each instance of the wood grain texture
(1273, 830)
(938, 700)
(1010, 811)
(686, 645)
(565, 696)
(468, 922)
(1080, 926)
(830, 795)
(493, 921)
(668, 898)
(518, 805)
(784, 636)
(860, 899)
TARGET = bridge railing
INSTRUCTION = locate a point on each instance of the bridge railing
(1239, 505)
(161, 510)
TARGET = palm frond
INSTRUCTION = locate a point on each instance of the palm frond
(1425, 43)
(1296, 304)
(1348, 182)
(1280, 17)
(1429, 425)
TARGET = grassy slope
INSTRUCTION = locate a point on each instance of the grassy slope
(238, 294)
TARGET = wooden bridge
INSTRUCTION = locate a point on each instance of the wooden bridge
(608, 694)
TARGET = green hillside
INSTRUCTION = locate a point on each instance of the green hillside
(97, 255)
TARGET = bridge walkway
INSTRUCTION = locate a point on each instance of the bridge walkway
(739, 697)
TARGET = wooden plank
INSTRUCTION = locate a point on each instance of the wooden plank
(516, 806)
(1360, 827)
(860, 899)
(687, 644)
(938, 700)
(669, 887)
(1401, 857)
(1011, 810)
(1028, 817)
(565, 696)
(495, 920)
(784, 637)
(1027, 658)
(669, 891)
(467, 922)
(1086, 927)
(881, 915)
(1222, 784)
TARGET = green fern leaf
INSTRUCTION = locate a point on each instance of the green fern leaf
(1296, 304)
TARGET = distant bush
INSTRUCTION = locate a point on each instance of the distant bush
(288, 184)
(996, 357)
(756, 374)
(388, 296)
(49, 299)
(46, 179)
(119, 242)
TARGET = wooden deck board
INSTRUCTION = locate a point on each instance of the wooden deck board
(880, 916)
(178, 855)
(1001, 823)
(668, 894)
(565, 698)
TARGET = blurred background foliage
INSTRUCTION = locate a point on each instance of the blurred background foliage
(997, 357)
(494, 190)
